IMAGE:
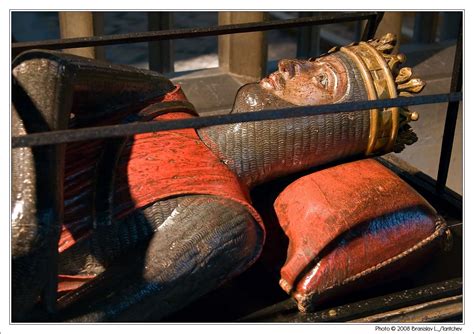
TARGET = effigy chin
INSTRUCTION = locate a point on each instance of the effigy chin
(124, 229)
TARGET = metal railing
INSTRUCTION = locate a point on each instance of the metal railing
(73, 135)
(373, 18)
(151, 36)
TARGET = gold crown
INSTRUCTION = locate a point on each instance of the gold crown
(383, 79)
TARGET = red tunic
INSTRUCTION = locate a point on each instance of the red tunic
(153, 166)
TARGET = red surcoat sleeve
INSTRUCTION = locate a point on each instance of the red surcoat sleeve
(152, 167)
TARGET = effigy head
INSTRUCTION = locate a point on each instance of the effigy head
(328, 78)
(356, 72)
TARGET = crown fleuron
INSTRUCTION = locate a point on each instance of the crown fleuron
(406, 85)
(383, 79)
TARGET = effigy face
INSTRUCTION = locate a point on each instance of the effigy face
(305, 82)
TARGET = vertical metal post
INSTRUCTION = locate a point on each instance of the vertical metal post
(391, 23)
(425, 27)
(160, 54)
(371, 26)
(449, 25)
(244, 54)
(82, 24)
(309, 39)
(451, 117)
(357, 30)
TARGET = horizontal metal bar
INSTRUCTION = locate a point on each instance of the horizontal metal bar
(363, 308)
(67, 136)
(431, 311)
(149, 36)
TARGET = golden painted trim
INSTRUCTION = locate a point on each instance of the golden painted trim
(372, 95)
(392, 90)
